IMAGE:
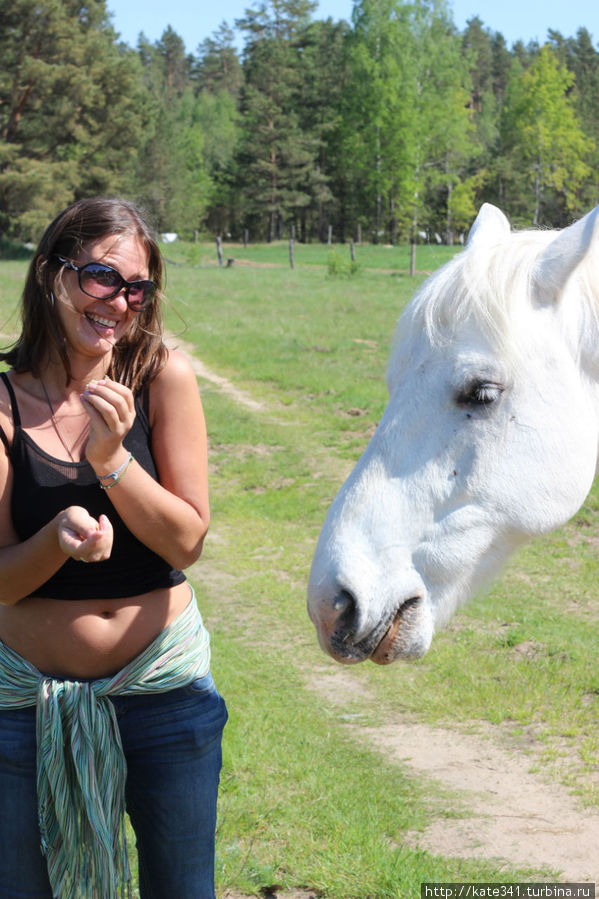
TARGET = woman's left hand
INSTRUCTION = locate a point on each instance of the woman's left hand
(111, 411)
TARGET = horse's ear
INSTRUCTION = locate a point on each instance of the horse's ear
(561, 257)
(489, 228)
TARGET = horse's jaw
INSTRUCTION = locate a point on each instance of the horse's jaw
(383, 603)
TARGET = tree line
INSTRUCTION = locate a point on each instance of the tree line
(388, 127)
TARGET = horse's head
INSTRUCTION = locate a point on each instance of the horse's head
(489, 437)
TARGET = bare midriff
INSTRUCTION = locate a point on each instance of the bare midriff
(88, 638)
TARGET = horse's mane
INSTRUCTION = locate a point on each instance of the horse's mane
(493, 288)
(486, 286)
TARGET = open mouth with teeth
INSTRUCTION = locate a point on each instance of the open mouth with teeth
(99, 323)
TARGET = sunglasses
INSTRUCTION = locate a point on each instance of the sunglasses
(104, 282)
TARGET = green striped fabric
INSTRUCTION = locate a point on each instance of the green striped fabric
(81, 768)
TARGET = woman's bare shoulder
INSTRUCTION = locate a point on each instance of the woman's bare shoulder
(177, 369)
(175, 379)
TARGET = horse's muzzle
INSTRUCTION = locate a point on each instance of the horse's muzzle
(396, 636)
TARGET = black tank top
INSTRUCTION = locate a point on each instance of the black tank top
(43, 486)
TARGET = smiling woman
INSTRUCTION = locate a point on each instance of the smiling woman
(102, 467)
(116, 301)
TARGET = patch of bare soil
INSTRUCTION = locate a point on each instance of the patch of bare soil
(202, 371)
(269, 894)
(507, 813)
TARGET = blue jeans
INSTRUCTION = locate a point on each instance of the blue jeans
(172, 745)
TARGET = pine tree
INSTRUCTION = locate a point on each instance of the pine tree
(216, 65)
(277, 157)
(171, 179)
(68, 109)
(217, 78)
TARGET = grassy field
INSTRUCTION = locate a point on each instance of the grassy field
(303, 804)
(382, 257)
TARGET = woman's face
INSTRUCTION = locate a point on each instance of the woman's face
(92, 325)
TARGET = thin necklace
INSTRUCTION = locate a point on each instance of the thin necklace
(55, 423)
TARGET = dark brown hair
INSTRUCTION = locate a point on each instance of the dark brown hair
(140, 354)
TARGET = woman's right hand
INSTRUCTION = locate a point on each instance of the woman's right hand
(82, 537)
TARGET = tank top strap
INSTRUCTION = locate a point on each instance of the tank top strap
(14, 407)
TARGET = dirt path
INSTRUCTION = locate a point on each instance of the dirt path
(508, 813)
(206, 374)
(505, 812)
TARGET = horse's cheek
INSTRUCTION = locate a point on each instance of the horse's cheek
(543, 483)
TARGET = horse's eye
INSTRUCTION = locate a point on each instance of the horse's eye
(479, 393)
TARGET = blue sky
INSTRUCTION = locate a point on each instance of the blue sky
(515, 19)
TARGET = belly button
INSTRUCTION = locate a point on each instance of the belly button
(106, 614)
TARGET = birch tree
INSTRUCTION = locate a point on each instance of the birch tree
(542, 136)
(406, 118)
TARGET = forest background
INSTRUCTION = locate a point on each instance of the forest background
(393, 127)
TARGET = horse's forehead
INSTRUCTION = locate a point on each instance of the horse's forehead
(485, 290)
(466, 350)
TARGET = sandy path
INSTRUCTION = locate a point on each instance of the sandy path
(508, 813)
(206, 374)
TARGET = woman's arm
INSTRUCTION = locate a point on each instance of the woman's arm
(24, 566)
(171, 515)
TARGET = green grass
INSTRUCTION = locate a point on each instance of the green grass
(300, 802)
(367, 256)
(290, 335)
(303, 804)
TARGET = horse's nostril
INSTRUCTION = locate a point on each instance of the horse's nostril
(343, 601)
(344, 605)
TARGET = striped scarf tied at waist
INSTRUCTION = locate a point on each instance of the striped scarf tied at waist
(81, 768)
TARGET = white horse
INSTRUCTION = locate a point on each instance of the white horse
(490, 436)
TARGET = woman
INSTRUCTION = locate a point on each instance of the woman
(103, 502)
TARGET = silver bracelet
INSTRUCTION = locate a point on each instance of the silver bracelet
(116, 475)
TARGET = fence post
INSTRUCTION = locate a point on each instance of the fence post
(292, 247)
(219, 250)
